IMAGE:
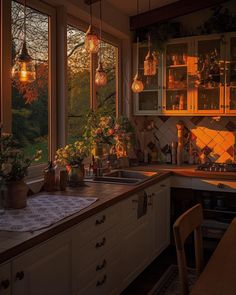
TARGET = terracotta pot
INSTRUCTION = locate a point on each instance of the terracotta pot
(16, 194)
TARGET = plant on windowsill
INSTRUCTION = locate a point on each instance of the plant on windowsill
(71, 156)
(13, 168)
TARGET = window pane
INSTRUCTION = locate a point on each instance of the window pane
(78, 81)
(106, 95)
(30, 101)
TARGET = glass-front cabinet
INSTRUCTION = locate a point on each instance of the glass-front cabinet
(230, 68)
(175, 97)
(210, 78)
(149, 100)
(196, 75)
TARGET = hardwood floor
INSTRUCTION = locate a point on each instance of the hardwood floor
(148, 278)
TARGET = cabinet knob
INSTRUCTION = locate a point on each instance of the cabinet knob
(101, 266)
(20, 275)
(100, 244)
(162, 185)
(5, 284)
(100, 221)
(100, 283)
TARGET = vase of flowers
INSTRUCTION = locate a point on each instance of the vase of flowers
(13, 168)
(71, 157)
(99, 133)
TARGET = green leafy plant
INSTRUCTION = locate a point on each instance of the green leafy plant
(13, 163)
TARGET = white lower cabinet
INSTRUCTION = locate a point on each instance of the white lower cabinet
(43, 270)
(5, 279)
(101, 255)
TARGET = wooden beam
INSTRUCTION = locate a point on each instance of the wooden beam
(88, 2)
(170, 11)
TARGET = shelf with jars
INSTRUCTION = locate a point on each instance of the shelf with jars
(196, 75)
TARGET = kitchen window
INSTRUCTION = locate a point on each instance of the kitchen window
(28, 110)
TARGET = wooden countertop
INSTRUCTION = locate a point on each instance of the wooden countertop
(219, 275)
(13, 243)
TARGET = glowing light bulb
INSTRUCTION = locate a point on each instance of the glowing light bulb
(91, 41)
(137, 85)
(100, 76)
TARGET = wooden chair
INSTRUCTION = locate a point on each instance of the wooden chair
(190, 221)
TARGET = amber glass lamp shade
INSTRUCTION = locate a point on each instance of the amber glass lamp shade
(137, 85)
(91, 41)
(100, 76)
(24, 68)
(150, 64)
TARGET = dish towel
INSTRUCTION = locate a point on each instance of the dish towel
(43, 211)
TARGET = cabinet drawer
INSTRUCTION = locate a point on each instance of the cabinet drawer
(179, 181)
(107, 282)
(95, 225)
(96, 270)
(5, 279)
(214, 185)
(94, 249)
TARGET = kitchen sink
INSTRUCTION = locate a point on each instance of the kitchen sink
(126, 177)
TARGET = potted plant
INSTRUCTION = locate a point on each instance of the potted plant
(13, 168)
(71, 156)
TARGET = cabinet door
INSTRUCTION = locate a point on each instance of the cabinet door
(177, 96)
(5, 279)
(135, 245)
(230, 68)
(148, 101)
(160, 217)
(209, 83)
(43, 270)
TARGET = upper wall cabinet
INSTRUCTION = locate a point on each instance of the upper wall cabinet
(148, 101)
(196, 75)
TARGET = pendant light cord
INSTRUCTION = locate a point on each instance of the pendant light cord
(137, 53)
(100, 6)
(24, 20)
(91, 13)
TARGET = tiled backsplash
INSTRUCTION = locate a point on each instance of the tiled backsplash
(213, 136)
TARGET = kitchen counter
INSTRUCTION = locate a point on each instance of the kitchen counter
(13, 243)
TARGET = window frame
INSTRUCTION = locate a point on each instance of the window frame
(35, 171)
(83, 26)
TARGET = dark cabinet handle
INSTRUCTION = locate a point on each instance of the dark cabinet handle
(5, 284)
(162, 185)
(100, 221)
(101, 266)
(220, 185)
(100, 283)
(20, 275)
(100, 244)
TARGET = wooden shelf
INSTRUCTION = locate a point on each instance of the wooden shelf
(176, 89)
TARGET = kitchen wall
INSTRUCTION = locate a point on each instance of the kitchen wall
(215, 137)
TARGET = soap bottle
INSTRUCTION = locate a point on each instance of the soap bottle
(49, 178)
(173, 152)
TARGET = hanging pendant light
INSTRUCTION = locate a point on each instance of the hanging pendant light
(100, 75)
(137, 85)
(150, 62)
(23, 69)
(91, 41)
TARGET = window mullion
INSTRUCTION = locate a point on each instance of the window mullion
(6, 100)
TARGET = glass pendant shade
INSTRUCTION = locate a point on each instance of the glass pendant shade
(137, 85)
(91, 41)
(24, 68)
(100, 76)
(150, 64)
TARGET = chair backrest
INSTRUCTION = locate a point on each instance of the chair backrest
(190, 221)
